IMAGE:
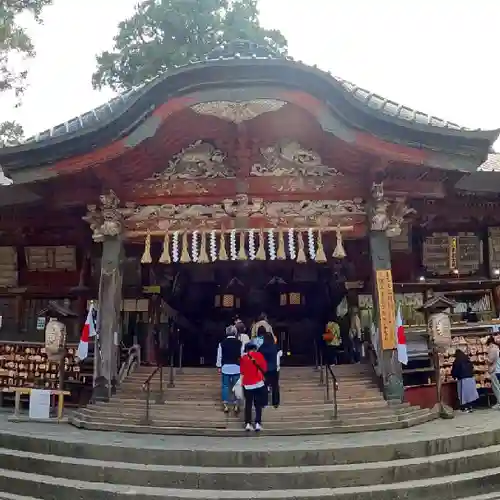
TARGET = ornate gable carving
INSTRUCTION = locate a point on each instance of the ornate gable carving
(289, 158)
(199, 160)
(237, 112)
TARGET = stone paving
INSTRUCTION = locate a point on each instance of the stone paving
(479, 421)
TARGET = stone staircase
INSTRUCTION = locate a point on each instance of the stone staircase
(193, 406)
(444, 460)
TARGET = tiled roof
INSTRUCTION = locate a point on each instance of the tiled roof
(492, 164)
(242, 50)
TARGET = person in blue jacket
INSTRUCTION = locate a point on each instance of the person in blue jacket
(269, 350)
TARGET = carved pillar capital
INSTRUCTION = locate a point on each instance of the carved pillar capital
(387, 215)
(106, 219)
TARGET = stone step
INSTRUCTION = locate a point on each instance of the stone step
(195, 429)
(253, 478)
(462, 434)
(443, 488)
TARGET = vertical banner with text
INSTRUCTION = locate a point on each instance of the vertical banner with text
(386, 309)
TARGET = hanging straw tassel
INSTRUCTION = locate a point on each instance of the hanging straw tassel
(339, 252)
(242, 254)
(280, 254)
(301, 254)
(261, 252)
(146, 256)
(165, 254)
(223, 251)
(203, 257)
(320, 251)
(185, 257)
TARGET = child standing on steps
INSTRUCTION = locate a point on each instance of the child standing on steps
(253, 370)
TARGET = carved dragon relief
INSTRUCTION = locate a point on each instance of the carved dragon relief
(200, 160)
(289, 158)
(388, 215)
(302, 213)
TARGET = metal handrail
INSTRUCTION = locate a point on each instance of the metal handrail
(329, 373)
(133, 359)
(147, 388)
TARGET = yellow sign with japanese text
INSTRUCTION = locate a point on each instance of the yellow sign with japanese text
(387, 309)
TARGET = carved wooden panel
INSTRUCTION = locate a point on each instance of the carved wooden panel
(494, 249)
(436, 254)
(8, 267)
(445, 254)
(60, 258)
(402, 242)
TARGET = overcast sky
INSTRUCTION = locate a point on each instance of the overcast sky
(439, 56)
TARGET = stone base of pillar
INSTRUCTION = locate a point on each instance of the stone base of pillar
(101, 390)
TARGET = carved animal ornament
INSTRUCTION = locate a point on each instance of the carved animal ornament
(289, 158)
(200, 160)
(388, 215)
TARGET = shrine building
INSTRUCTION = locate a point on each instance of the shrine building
(246, 183)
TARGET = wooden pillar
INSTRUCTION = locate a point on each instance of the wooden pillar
(110, 300)
(106, 225)
(386, 315)
(383, 221)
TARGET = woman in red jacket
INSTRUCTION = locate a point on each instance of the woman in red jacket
(253, 368)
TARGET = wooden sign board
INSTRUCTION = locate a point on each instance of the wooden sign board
(387, 309)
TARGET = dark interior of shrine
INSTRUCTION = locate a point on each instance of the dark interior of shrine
(298, 299)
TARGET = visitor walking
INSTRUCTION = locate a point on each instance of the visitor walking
(229, 354)
(253, 369)
(333, 341)
(463, 372)
(262, 321)
(271, 354)
(494, 368)
(242, 335)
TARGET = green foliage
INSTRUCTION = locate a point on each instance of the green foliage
(15, 45)
(10, 133)
(163, 34)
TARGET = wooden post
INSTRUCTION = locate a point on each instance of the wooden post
(110, 299)
(386, 316)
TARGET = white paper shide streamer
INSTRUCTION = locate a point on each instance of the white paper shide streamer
(194, 246)
(232, 244)
(213, 246)
(291, 244)
(272, 244)
(175, 246)
(310, 240)
(251, 244)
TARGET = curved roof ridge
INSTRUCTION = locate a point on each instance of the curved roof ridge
(241, 50)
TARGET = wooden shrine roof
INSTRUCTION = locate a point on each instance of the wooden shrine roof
(244, 64)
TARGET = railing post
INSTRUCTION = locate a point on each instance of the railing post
(160, 399)
(335, 404)
(321, 367)
(316, 355)
(181, 351)
(327, 382)
(171, 382)
(146, 420)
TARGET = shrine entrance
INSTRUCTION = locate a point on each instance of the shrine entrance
(297, 298)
